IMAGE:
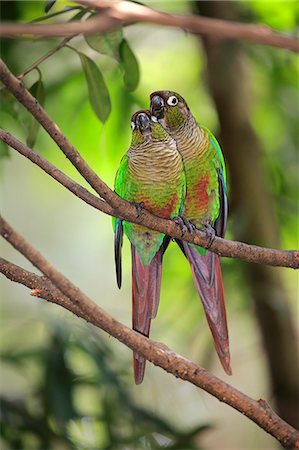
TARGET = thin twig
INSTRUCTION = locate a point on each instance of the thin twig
(70, 297)
(117, 14)
(44, 57)
(231, 249)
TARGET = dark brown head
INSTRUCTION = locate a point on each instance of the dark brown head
(141, 120)
(169, 108)
(145, 127)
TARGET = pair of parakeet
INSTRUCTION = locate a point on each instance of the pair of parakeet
(173, 168)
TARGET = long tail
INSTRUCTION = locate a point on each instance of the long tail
(207, 277)
(146, 285)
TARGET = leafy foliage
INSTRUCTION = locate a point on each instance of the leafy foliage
(106, 44)
(57, 419)
(97, 89)
(130, 65)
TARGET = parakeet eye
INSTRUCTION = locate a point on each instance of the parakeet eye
(172, 100)
(133, 126)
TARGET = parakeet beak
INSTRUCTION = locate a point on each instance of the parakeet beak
(143, 121)
(157, 106)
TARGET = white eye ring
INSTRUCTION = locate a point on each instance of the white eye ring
(172, 100)
(154, 119)
(133, 126)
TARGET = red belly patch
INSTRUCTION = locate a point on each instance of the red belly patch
(198, 196)
(162, 209)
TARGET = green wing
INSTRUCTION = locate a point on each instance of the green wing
(221, 220)
(119, 183)
(220, 164)
(117, 224)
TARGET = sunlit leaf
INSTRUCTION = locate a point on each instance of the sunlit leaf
(106, 44)
(130, 65)
(98, 93)
(58, 13)
(138, 3)
(59, 5)
(79, 14)
(49, 5)
(38, 91)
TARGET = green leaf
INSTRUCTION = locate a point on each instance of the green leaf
(98, 93)
(79, 15)
(57, 13)
(106, 44)
(130, 66)
(4, 150)
(38, 91)
(49, 5)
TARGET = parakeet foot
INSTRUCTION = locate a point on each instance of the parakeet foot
(179, 221)
(210, 233)
(190, 226)
(184, 224)
(139, 207)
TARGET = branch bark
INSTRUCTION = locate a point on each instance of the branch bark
(58, 289)
(117, 206)
(117, 14)
(56, 174)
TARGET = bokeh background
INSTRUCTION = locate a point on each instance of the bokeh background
(65, 384)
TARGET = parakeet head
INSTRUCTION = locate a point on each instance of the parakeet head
(170, 109)
(145, 127)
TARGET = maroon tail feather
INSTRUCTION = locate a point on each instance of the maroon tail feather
(146, 285)
(207, 277)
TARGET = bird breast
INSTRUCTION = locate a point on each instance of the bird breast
(157, 162)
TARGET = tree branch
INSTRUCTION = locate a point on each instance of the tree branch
(58, 289)
(117, 14)
(117, 206)
(55, 173)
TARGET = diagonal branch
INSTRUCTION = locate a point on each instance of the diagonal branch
(55, 173)
(118, 206)
(117, 14)
(58, 289)
(17, 88)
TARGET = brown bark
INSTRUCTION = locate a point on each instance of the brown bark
(56, 288)
(226, 65)
(113, 15)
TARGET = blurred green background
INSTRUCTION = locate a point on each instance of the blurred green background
(65, 384)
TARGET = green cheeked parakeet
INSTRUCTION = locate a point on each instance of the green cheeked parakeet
(151, 173)
(205, 206)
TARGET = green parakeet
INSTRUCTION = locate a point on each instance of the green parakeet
(151, 173)
(205, 206)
